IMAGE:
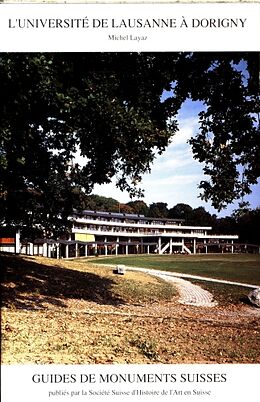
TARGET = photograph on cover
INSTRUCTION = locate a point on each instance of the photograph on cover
(130, 208)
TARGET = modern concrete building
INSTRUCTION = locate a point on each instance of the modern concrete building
(109, 233)
(105, 233)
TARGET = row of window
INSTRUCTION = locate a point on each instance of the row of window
(131, 221)
(144, 231)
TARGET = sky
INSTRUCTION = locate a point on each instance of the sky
(175, 175)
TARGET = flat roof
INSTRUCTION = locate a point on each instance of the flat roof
(119, 215)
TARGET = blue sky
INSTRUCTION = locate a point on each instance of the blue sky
(175, 175)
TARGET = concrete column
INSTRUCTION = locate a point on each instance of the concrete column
(194, 246)
(105, 246)
(117, 240)
(232, 247)
(76, 250)
(159, 245)
(44, 250)
(148, 249)
(30, 248)
(49, 250)
(171, 245)
(17, 242)
(58, 250)
(67, 251)
(126, 249)
(86, 250)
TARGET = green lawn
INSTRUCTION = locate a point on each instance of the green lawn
(78, 312)
(243, 268)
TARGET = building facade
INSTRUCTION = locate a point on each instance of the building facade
(106, 233)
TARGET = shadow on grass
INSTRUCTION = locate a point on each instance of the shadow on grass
(29, 285)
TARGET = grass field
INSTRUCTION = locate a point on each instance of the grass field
(244, 268)
(77, 312)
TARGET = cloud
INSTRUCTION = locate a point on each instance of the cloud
(187, 128)
(110, 190)
(178, 155)
(173, 190)
(172, 159)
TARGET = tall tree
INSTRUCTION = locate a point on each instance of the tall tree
(139, 207)
(200, 217)
(181, 211)
(228, 142)
(158, 210)
(247, 223)
(104, 105)
(226, 225)
(99, 203)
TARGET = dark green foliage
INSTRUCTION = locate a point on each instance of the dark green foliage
(139, 207)
(181, 211)
(200, 217)
(158, 210)
(228, 141)
(98, 203)
(248, 226)
(107, 106)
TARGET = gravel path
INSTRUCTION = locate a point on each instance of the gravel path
(189, 293)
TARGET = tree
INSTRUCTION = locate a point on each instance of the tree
(158, 210)
(244, 222)
(139, 207)
(181, 211)
(243, 209)
(105, 105)
(109, 107)
(200, 217)
(226, 225)
(249, 227)
(98, 203)
(228, 141)
(248, 223)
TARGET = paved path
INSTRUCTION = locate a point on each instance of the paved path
(189, 293)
